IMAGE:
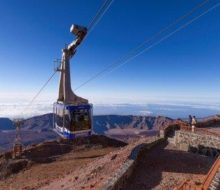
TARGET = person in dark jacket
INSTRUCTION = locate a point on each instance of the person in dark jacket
(190, 120)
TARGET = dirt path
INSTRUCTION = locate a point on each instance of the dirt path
(165, 167)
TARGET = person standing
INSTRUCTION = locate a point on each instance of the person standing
(190, 121)
(194, 122)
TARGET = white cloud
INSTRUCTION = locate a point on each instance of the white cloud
(145, 112)
(15, 106)
(21, 110)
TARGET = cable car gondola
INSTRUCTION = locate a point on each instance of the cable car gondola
(72, 121)
(72, 114)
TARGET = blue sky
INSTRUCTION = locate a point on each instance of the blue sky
(185, 67)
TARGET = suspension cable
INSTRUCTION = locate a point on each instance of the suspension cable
(41, 89)
(105, 6)
(165, 37)
(137, 51)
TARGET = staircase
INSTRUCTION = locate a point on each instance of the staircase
(215, 184)
(211, 182)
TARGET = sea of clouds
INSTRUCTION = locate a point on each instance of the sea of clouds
(174, 110)
(16, 106)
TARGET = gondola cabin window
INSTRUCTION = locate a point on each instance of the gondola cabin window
(80, 120)
(59, 117)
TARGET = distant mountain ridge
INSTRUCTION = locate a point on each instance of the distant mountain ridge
(6, 124)
(39, 123)
(103, 123)
(212, 117)
(40, 128)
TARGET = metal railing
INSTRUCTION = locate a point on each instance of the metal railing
(212, 172)
(190, 185)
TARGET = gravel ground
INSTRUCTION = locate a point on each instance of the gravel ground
(95, 174)
(165, 167)
(41, 174)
